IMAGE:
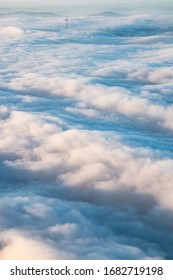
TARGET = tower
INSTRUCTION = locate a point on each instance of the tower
(66, 22)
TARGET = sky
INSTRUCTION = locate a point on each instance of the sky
(138, 3)
(86, 122)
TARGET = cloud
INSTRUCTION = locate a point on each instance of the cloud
(18, 246)
(115, 99)
(77, 230)
(80, 167)
(4, 112)
(164, 75)
(65, 229)
(11, 31)
(84, 159)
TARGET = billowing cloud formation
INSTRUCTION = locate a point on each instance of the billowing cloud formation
(17, 245)
(86, 138)
(89, 161)
(114, 99)
(11, 31)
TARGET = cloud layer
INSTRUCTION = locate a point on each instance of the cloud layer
(86, 137)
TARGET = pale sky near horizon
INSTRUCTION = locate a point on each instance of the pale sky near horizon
(84, 2)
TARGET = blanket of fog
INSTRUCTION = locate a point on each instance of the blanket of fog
(86, 129)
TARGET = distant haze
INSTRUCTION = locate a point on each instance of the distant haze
(88, 2)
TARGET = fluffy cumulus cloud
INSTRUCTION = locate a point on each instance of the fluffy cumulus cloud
(11, 31)
(86, 137)
(17, 245)
(115, 99)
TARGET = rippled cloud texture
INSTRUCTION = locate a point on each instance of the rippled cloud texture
(86, 121)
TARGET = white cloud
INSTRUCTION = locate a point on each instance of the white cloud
(11, 31)
(65, 229)
(17, 245)
(82, 158)
(114, 99)
(4, 112)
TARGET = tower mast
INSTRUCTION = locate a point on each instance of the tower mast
(66, 22)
